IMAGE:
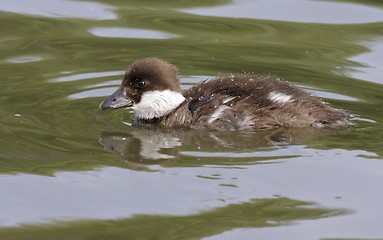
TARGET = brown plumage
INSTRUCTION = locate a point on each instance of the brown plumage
(224, 103)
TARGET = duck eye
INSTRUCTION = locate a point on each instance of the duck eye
(140, 84)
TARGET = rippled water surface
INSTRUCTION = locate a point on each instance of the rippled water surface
(71, 171)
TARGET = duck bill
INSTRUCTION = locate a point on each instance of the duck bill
(116, 100)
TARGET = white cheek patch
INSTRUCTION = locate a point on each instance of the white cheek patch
(280, 97)
(155, 104)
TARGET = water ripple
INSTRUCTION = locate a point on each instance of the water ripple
(59, 9)
(294, 11)
(25, 59)
(82, 76)
(119, 32)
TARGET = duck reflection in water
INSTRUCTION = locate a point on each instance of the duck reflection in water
(142, 146)
(159, 146)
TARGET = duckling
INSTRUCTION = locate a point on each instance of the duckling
(151, 87)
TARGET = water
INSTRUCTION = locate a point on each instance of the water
(71, 171)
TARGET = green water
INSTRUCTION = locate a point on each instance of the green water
(71, 171)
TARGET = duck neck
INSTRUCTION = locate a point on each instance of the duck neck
(156, 104)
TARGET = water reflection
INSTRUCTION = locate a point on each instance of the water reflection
(59, 9)
(295, 11)
(143, 145)
(70, 77)
(200, 185)
(370, 69)
(119, 32)
(253, 214)
(25, 59)
(165, 147)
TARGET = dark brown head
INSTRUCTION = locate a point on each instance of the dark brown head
(150, 86)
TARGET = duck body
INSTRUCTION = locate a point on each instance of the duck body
(244, 103)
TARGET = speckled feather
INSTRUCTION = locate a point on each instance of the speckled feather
(251, 107)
